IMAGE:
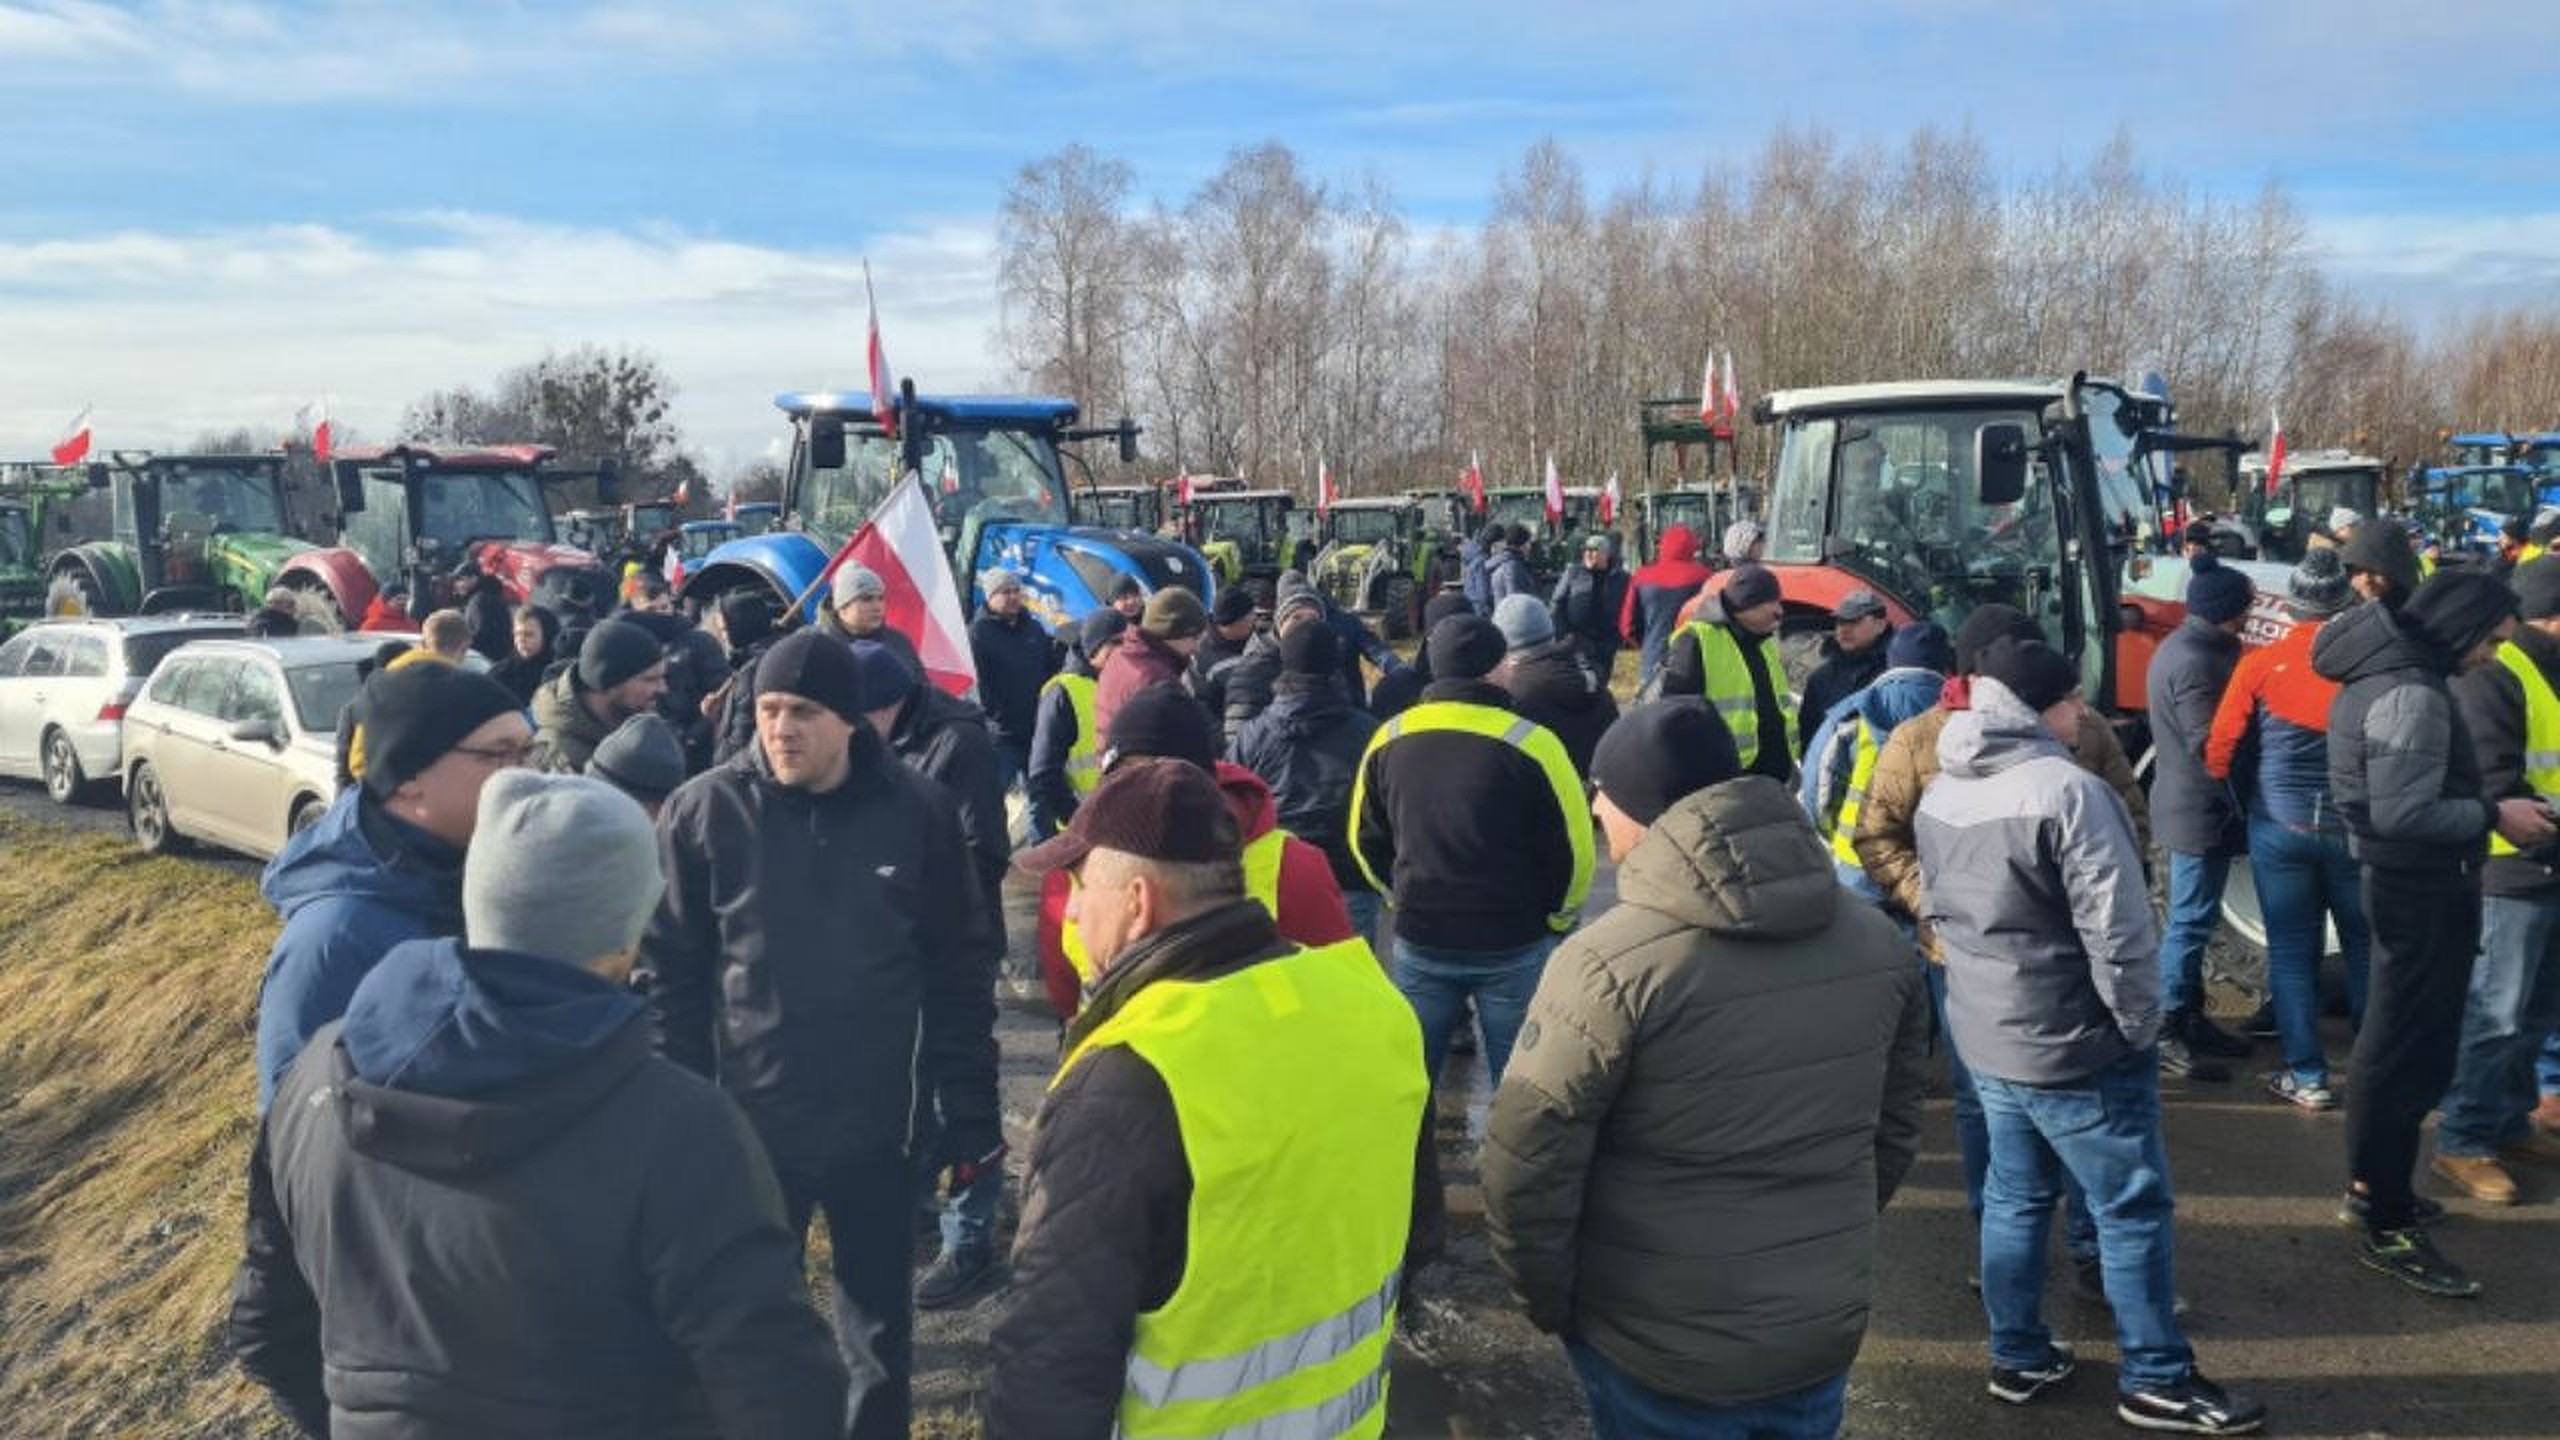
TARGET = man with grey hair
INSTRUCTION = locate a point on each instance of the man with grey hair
(1222, 1175)
(481, 1204)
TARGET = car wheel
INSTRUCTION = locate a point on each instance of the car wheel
(64, 783)
(148, 810)
(306, 813)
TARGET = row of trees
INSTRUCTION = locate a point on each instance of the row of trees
(1272, 319)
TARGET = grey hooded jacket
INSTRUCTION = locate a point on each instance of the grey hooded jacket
(2035, 890)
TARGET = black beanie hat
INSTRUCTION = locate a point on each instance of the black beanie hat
(2458, 608)
(2383, 549)
(1316, 650)
(1099, 628)
(747, 615)
(2537, 583)
(1465, 647)
(1655, 755)
(1233, 604)
(2030, 669)
(1751, 586)
(1441, 606)
(817, 668)
(408, 717)
(1986, 624)
(1162, 721)
(2216, 593)
(614, 652)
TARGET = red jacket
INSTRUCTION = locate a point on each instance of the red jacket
(1664, 586)
(382, 615)
(1138, 661)
(1311, 908)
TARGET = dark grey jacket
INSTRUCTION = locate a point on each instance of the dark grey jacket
(1717, 1089)
(2033, 885)
(2401, 768)
(2192, 813)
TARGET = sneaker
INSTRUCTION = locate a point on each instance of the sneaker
(2089, 1277)
(2308, 1094)
(2020, 1386)
(2193, 1406)
(955, 1278)
(2410, 1257)
(2177, 1059)
(2203, 1037)
(2356, 1212)
(2478, 1176)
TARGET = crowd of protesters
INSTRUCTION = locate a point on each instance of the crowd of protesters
(557, 1069)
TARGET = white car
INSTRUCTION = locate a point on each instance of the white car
(234, 742)
(64, 686)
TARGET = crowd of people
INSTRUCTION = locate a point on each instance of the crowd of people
(556, 1069)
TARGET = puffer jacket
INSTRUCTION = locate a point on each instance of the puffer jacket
(2401, 767)
(1248, 686)
(1910, 761)
(1656, 592)
(1717, 1089)
(2034, 889)
(1894, 697)
(1506, 573)
(2270, 736)
(2493, 709)
(565, 732)
(950, 742)
(1307, 748)
(1549, 685)
(2193, 811)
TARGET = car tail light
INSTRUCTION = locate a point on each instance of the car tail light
(112, 710)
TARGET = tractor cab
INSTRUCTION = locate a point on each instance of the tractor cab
(598, 530)
(427, 519)
(2277, 523)
(1383, 558)
(1677, 493)
(1122, 507)
(2462, 508)
(1247, 536)
(756, 517)
(696, 539)
(184, 532)
(2540, 454)
(1551, 547)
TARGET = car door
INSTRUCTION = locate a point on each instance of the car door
(243, 783)
(39, 672)
(13, 658)
(188, 728)
(85, 686)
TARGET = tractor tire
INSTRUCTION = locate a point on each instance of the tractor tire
(74, 595)
(146, 807)
(1400, 613)
(317, 608)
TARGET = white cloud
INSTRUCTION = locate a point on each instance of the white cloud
(171, 334)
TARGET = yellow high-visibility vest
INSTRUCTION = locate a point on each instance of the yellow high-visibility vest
(2541, 732)
(1261, 881)
(1298, 1086)
(1730, 690)
(1862, 772)
(1084, 758)
(1521, 734)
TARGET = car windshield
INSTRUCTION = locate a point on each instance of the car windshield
(1901, 507)
(2317, 492)
(228, 497)
(320, 691)
(13, 537)
(1363, 527)
(969, 474)
(455, 506)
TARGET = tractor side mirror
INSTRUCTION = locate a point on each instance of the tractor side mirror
(826, 442)
(350, 486)
(97, 475)
(2000, 464)
(608, 482)
(1128, 441)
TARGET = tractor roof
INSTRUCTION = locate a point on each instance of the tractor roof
(1902, 394)
(1221, 496)
(978, 409)
(473, 457)
(2297, 462)
(1375, 502)
(702, 527)
(2480, 437)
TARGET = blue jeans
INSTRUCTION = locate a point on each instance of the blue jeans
(2306, 880)
(2549, 1066)
(969, 1213)
(1623, 1409)
(1364, 906)
(1973, 1138)
(1438, 984)
(2510, 1014)
(2195, 908)
(2103, 1131)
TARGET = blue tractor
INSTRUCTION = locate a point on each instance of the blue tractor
(2462, 507)
(992, 466)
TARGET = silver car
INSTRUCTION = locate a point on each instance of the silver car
(64, 686)
(234, 742)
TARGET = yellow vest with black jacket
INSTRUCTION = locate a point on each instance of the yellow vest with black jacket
(1298, 1090)
(1843, 822)
(2493, 721)
(1084, 758)
(1730, 690)
(1261, 884)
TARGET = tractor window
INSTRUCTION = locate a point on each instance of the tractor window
(375, 531)
(2129, 510)
(14, 549)
(1802, 500)
(1363, 527)
(229, 499)
(457, 506)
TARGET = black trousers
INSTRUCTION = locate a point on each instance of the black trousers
(2426, 932)
(870, 1205)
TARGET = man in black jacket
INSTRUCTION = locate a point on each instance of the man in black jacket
(1587, 600)
(1066, 762)
(2194, 817)
(1307, 747)
(1232, 624)
(815, 954)
(483, 1207)
(1853, 655)
(1015, 657)
(2405, 778)
(1548, 682)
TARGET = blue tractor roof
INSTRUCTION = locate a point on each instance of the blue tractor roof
(980, 409)
(2489, 437)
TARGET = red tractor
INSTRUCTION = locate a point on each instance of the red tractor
(423, 519)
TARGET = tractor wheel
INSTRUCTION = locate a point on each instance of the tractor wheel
(1402, 608)
(147, 807)
(317, 608)
(64, 782)
(74, 594)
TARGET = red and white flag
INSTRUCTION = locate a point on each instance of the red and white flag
(2275, 452)
(1555, 494)
(313, 420)
(73, 447)
(1324, 488)
(684, 492)
(1182, 488)
(900, 545)
(673, 566)
(1707, 387)
(883, 399)
(1609, 500)
(1732, 399)
(1471, 480)
(729, 504)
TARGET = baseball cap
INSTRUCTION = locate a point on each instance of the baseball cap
(1155, 809)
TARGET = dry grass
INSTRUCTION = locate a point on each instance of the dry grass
(128, 989)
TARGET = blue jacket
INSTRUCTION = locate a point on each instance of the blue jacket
(351, 887)
(1477, 585)
(1894, 697)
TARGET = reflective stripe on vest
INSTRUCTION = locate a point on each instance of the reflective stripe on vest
(1297, 1086)
(2541, 732)
(1084, 758)
(1862, 771)
(1521, 734)
(1261, 881)
(1730, 690)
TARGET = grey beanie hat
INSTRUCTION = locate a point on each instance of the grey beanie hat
(855, 582)
(642, 758)
(1524, 620)
(562, 867)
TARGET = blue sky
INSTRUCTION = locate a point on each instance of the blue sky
(219, 208)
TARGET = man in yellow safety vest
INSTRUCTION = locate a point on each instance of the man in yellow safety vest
(1066, 746)
(1221, 1177)
(1729, 655)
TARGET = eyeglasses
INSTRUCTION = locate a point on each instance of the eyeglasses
(501, 757)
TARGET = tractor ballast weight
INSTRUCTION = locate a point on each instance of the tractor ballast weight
(422, 518)
(186, 532)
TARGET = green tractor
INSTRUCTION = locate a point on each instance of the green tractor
(1247, 536)
(1703, 503)
(1383, 557)
(35, 510)
(187, 532)
(1121, 507)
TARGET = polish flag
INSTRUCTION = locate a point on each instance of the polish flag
(314, 422)
(1471, 480)
(74, 445)
(883, 406)
(684, 492)
(1609, 500)
(1555, 494)
(900, 544)
(673, 566)
(1732, 392)
(1324, 488)
(1182, 488)
(2275, 452)
(1707, 387)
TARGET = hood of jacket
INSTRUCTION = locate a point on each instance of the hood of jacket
(1994, 732)
(1248, 799)
(1678, 546)
(1897, 695)
(1735, 859)
(2371, 640)
(929, 710)
(405, 869)
(463, 1059)
(1549, 678)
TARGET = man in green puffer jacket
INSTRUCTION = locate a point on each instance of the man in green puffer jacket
(1717, 1089)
